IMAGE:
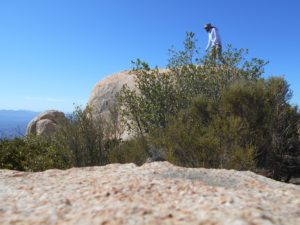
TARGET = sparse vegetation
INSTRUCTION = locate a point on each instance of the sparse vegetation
(193, 113)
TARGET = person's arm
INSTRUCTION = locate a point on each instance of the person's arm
(209, 42)
(213, 35)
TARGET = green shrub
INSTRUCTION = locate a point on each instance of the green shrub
(271, 119)
(13, 154)
(163, 93)
(249, 126)
(199, 113)
(131, 151)
(84, 135)
(202, 136)
(33, 154)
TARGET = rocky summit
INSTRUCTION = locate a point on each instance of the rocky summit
(155, 193)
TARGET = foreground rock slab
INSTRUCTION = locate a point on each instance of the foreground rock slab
(155, 193)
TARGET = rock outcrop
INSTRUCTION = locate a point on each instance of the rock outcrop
(155, 193)
(45, 123)
(103, 98)
(103, 94)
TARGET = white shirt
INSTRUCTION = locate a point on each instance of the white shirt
(213, 38)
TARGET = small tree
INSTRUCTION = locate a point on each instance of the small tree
(162, 93)
(84, 135)
(212, 115)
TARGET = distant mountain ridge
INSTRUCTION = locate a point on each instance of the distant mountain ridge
(13, 123)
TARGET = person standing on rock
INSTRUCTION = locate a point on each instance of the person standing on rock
(214, 43)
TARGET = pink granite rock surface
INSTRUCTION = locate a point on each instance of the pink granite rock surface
(155, 193)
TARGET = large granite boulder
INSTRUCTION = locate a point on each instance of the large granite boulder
(103, 95)
(103, 98)
(45, 123)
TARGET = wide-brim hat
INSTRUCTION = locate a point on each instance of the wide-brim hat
(207, 26)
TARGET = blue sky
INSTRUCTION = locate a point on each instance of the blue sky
(52, 52)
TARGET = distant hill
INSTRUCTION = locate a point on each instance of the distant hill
(13, 123)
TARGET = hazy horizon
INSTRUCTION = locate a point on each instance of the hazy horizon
(13, 123)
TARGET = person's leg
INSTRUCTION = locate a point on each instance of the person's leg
(219, 53)
(212, 55)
